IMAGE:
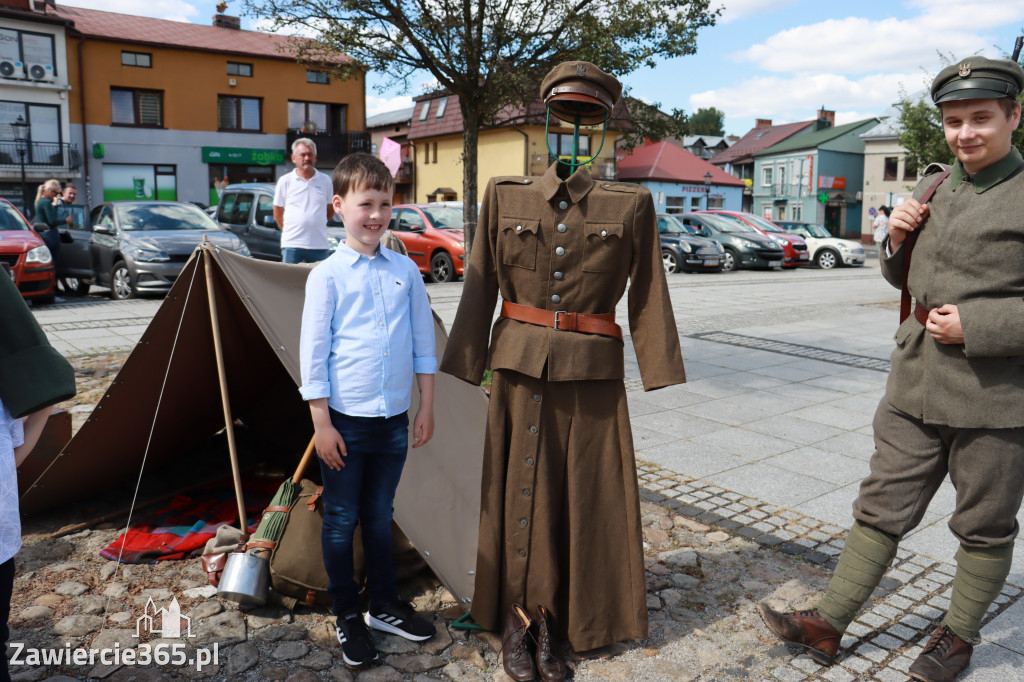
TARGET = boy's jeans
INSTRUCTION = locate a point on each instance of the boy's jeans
(363, 491)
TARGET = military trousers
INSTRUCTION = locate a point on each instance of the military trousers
(911, 459)
(560, 510)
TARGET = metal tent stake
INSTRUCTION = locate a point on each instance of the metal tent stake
(228, 421)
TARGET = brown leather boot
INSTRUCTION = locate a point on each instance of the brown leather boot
(515, 645)
(944, 657)
(550, 666)
(805, 628)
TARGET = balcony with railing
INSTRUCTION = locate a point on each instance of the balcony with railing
(332, 147)
(39, 156)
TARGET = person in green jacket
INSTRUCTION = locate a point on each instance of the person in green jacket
(46, 214)
(33, 377)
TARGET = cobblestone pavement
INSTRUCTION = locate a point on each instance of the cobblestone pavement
(748, 473)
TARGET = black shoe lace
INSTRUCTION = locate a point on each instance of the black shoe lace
(807, 613)
(941, 641)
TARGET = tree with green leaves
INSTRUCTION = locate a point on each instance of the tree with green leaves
(491, 55)
(921, 133)
(707, 121)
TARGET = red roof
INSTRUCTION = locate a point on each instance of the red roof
(166, 33)
(667, 162)
(756, 140)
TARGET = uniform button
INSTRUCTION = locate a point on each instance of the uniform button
(522, 553)
(536, 398)
(533, 429)
(526, 181)
(563, 205)
(523, 523)
(526, 492)
(519, 228)
(529, 461)
(556, 298)
(604, 233)
(558, 275)
(561, 227)
(560, 251)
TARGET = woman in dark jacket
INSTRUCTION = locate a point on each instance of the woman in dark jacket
(46, 214)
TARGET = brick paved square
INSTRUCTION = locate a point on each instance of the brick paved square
(903, 632)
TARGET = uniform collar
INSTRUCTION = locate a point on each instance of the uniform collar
(990, 176)
(578, 184)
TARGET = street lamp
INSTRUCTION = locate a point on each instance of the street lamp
(707, 190)
(20, 129)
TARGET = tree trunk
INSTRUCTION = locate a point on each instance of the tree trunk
(470, 135)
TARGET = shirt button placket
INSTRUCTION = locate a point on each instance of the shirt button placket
(522, 505)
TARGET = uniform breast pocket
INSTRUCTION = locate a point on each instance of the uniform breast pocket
(604, 250)
(517, 242)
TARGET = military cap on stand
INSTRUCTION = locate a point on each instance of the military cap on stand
(978, 78)
(581, 89)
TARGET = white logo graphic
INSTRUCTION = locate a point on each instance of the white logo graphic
(171, 621)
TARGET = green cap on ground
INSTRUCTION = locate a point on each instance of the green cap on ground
(978, 78)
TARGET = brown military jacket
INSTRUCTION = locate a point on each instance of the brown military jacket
(970, 253)
(567, 245)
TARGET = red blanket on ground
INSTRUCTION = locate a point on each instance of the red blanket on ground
(183, 527)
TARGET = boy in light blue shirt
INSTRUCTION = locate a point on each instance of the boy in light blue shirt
(367, 328)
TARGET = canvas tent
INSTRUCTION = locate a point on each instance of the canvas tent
(166, 401)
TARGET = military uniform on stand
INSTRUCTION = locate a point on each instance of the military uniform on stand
(953, 404)
(560, 511)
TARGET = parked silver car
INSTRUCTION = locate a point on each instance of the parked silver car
(141, 246)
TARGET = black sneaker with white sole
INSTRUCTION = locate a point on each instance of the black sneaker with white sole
(357, 645)
(399, 618)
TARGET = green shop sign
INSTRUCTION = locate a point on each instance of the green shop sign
(262, 157)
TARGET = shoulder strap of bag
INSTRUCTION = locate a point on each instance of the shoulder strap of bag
(908, 247)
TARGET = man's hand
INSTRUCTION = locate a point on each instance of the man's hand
(330, 447)
(279, 217)
(905, 218)
(944, 325)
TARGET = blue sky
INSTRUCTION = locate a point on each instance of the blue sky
(775, 59)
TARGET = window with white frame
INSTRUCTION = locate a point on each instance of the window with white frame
(766, 176)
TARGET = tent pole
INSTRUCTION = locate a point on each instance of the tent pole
(228, 421)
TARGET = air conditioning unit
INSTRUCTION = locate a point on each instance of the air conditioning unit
(40, 72)
(11, 69)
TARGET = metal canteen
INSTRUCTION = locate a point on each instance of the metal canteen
(245, 579)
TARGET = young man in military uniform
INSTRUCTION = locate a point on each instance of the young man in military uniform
(954, 401)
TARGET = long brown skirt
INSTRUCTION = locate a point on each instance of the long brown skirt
(560, 510)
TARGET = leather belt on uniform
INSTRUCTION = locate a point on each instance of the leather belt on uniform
(586, 323)
(921, 313)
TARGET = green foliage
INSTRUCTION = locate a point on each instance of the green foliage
(647, 121)
(921, 133)
(490, 54)
(707, 121)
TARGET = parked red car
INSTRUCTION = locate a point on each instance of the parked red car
(795, 249)
(25, 253)
(432, 234)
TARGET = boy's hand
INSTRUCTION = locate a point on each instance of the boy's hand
(330, 447)
(422, 427)
(905, 218)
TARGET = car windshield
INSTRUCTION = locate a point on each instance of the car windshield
(10, 219)
(727, 223)
(817, 230)
(763, 223)
(668, 224)
(444, 216)
(155, 216)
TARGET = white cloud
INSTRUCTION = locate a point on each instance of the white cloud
(174, 10)
(858, 45)
(797, 98)
(741, 9)
(379, 105)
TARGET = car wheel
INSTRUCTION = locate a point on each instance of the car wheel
(669, 260)
(442, 269)
(76, 285)
(729, 261)
(827, 259)
(121, 285)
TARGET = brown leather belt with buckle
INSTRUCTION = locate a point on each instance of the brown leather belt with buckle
(921, 313)
(585, 323)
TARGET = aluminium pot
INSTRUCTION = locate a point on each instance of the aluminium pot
(245, 579)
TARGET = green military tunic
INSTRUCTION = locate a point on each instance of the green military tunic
(560, 516)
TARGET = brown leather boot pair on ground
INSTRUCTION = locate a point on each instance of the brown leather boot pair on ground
(519, 662)
(944, 656)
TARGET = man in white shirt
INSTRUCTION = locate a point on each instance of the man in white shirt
(302, 207)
